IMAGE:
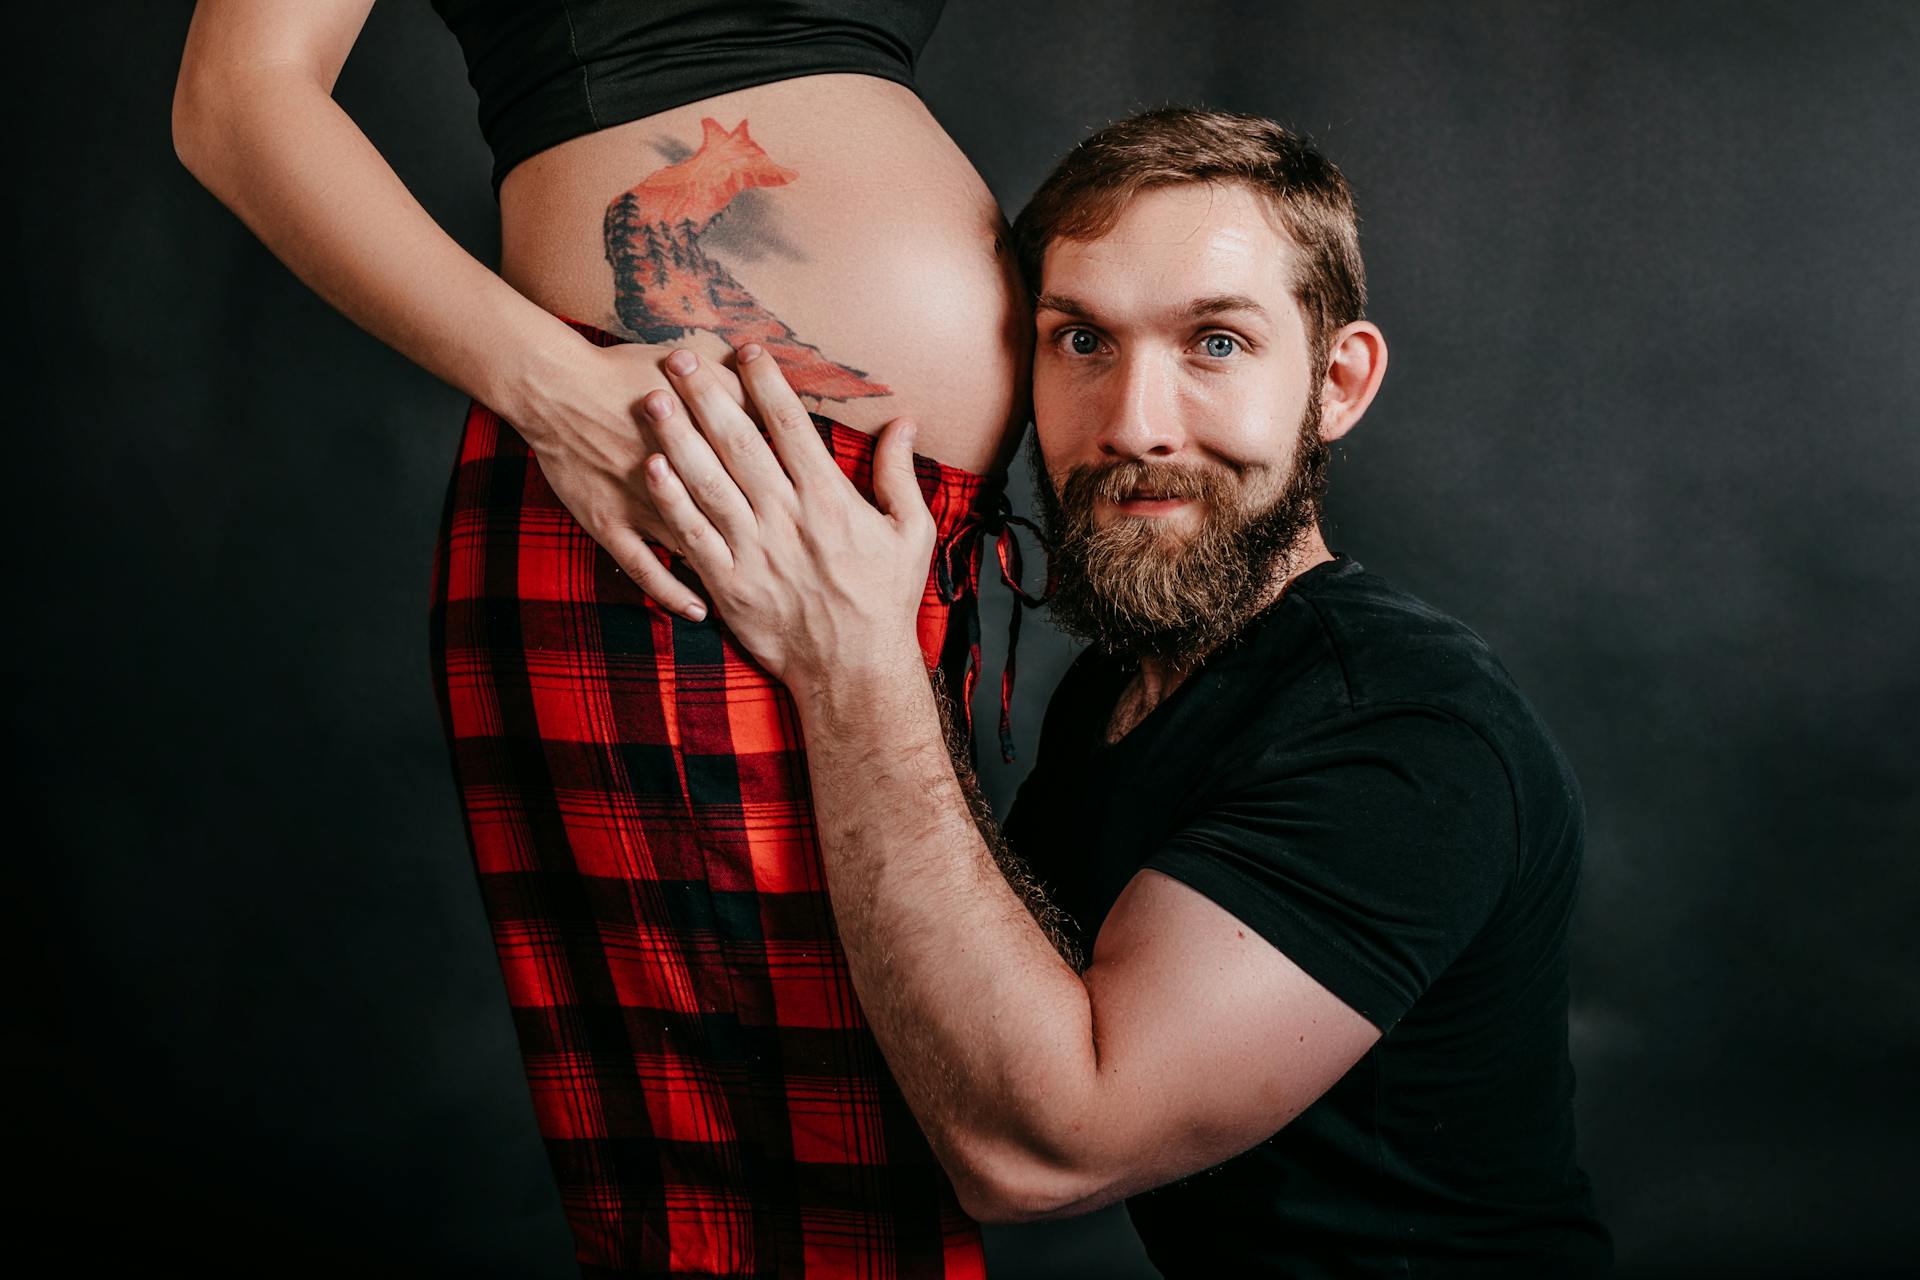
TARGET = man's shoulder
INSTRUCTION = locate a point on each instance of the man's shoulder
(1394, 650)
(1392, 647)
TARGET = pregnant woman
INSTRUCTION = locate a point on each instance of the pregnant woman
(701, 174)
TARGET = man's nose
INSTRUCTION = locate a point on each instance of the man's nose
(1141, 417)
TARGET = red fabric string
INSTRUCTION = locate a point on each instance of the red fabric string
(970, 536)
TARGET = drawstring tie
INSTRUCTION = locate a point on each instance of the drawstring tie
(953, 584)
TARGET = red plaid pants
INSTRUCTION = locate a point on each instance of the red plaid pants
(636, 801)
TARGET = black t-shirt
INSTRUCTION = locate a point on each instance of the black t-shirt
(1359, 781)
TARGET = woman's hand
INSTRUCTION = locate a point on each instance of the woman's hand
(812, 580)
(592, 440)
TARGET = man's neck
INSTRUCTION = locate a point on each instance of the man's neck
(1156, 680)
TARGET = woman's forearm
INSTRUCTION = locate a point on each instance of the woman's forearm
(255, 121)
(273, 146)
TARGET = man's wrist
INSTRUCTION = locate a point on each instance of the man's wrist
(881, 682)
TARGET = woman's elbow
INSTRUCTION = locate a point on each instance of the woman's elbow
(189, 120)
(211, 108)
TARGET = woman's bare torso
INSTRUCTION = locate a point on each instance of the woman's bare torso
(828, 217)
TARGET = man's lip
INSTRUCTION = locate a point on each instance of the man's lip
(1137, 500)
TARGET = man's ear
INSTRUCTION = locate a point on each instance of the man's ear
(1356, 362)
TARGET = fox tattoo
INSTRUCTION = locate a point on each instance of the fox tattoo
(665, 285)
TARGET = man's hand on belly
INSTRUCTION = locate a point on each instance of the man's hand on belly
(812, 579)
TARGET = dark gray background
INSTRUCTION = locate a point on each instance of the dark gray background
(1648, 273)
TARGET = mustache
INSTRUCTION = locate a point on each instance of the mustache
(1117, 481)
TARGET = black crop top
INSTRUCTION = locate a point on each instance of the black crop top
(549, 70)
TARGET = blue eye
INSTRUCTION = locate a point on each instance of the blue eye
(1220, 346)
(1083, 342)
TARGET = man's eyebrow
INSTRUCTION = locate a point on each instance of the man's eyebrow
(1224, 302)
(1064, 305)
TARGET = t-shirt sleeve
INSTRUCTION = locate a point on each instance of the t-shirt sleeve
(1370, 850)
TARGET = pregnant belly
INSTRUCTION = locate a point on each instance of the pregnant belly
(828, 218)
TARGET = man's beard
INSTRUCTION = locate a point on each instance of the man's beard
(1135, 589)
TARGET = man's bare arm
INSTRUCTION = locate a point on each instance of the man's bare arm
(1046, 1092)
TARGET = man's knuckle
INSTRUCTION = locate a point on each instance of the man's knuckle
(792, 418)
(605, 524)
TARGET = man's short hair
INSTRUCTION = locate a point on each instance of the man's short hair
(1169, 146)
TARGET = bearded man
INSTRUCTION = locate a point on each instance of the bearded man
(1325, 852)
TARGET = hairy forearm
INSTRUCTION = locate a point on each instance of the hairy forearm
(272, 145)
(988, 1030)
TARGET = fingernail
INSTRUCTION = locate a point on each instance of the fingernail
(749, 352)
(683, 361)
(657, 466)
(658, 404)
(696, 612)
